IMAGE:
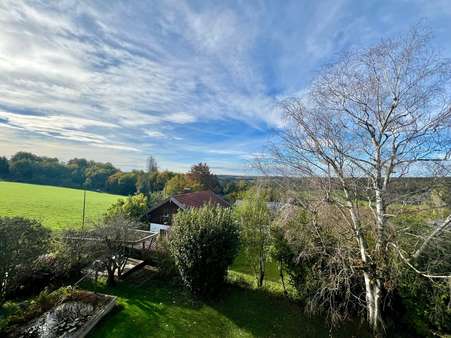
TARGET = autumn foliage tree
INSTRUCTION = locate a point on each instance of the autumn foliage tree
(201, 174)
(181, 183)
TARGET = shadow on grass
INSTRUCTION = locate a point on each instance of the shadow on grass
(157, 309)
(266, 315)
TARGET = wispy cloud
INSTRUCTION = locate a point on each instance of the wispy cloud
(118, 74)
(64, 127)
(154, 133)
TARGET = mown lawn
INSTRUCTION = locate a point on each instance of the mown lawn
(157, 309)
(161, 309)
(243, 266)
(55, 207)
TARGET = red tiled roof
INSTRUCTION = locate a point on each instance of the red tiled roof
(198, 199)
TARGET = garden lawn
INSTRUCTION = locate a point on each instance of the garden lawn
(242, 265)
(55, 207)
(157, 309)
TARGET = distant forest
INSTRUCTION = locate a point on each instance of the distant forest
(96, 176)
(84, 174)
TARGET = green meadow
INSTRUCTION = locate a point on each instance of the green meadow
(55, 207)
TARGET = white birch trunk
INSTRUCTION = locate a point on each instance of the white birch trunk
(372, 283)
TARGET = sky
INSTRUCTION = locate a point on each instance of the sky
(182, 81)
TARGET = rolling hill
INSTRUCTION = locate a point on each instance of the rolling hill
(55, 207)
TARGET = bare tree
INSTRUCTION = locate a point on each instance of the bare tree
(369, 119)
(109, 244)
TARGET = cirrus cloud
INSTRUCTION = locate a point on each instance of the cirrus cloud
(118, 74)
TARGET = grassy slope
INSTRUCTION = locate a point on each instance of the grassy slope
(55, 207)
(159, 310)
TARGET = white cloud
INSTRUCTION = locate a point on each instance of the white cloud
(62, 127)
(53, 63)
(64, 150)
(52, 122)
(116, 146)
(180, 118)
(154, 133)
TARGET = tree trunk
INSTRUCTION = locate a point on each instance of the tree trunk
(282, 279)
(376, 283)
(372, 284)
(110, 279)
(261, 272)
(380, 221)
(373, 303)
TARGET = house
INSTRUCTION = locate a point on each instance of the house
(160, 216)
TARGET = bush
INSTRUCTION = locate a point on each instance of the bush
(204, 242)
(164, 260)
(22, 241)
(134, 207)
(421, 303)
(316, 259)
(426, 304)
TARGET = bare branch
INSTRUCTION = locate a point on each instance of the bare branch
(438, 230)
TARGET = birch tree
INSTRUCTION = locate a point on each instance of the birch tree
(369, 119)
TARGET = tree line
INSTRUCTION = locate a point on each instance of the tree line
(96, 176)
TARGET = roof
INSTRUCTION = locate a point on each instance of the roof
(193, 200)
(198, 199)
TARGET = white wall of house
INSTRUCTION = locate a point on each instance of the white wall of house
(155, 227)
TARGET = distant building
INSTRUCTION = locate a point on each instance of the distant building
(160, 216)
(273, 207)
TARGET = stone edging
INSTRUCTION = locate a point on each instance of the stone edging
(83, 331)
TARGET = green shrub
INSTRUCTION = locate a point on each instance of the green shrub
(13, 314)
(426, 304)
(22, 241)
(164, 260)
(134, 207)
(7, 310)
(313, 258)
(204, 242)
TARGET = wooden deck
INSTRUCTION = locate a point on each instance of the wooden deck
(146, 240)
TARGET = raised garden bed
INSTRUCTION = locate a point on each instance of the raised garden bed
(73, 315)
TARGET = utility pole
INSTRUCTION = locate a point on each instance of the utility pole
(84, 208)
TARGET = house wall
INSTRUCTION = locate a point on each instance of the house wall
(155, 227)
(163, 214)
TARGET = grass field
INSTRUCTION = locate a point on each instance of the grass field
(55, 207)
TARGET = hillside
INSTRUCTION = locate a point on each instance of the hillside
(55, 207)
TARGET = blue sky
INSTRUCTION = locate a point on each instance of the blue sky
(182, 81)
